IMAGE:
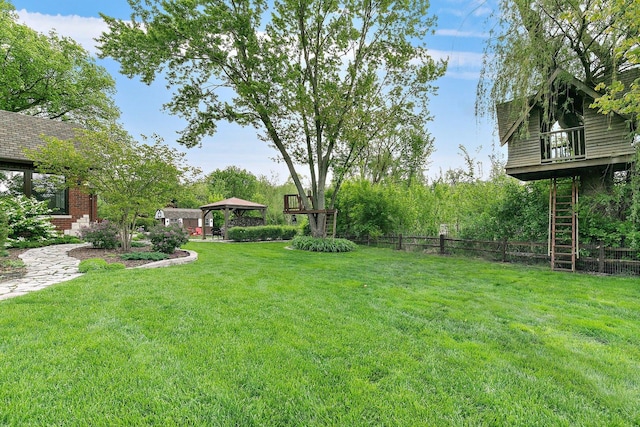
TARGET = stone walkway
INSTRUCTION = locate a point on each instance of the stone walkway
(51, 264)
(45, 267)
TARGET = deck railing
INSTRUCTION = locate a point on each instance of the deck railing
(562, 145)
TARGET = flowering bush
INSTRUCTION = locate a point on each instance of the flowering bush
(27, 218)
(167, 239)
(101, 235)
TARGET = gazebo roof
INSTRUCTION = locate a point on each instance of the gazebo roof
(233, 203)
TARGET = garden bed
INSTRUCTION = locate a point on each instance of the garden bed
(11, 266)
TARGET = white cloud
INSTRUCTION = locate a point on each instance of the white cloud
(459, 59)
(458, 33)
(82, 29)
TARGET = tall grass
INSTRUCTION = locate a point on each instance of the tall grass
(255, 334)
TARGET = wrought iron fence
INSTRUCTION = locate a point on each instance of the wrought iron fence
(592, 258)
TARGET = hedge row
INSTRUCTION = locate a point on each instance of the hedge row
(267, 232)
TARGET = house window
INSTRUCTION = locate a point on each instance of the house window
(43, 187)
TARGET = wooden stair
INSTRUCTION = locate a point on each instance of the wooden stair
(563, 224)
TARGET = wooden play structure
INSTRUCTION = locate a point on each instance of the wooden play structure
(293, 205)
(562, 139)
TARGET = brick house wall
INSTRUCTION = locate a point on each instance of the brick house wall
(83, 209)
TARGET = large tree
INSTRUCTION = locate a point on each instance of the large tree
(308, 73)
(536, 37)
(50, 76)
(621, 97)
(132, 179)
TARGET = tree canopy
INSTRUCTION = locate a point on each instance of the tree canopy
(319, 78)
(50, 76)
(536, 37)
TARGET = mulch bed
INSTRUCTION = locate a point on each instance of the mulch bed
(8, 269)
(113, 255)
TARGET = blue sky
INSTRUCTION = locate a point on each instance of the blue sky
(460, 36)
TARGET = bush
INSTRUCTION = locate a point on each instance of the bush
(27, 219)
(167, 239)
(146, 256)
(267, 232)
(315, 244)
(98, 264)
(104, 235)
(60, 240)
(4, 232)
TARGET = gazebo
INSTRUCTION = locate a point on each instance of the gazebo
(229, 206)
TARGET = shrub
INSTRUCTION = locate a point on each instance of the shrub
(4, 232)
(27, 218)
(137, 244)
(60, 240)
(315, 244)
(267, 232)
(103, 235)
(98, 264)
(167, 239)
(147, 256)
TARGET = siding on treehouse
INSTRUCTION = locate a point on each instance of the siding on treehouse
(526, 151)
(606, 136)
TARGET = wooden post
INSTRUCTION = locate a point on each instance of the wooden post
(204, 227)
(601, 257)
(504, 250)
(400, 241)
(442, 244)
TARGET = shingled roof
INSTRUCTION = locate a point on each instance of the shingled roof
(19, 131)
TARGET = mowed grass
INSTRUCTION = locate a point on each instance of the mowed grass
(255, 334)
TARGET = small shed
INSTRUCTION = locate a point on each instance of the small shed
(235, 206)
(189, 219)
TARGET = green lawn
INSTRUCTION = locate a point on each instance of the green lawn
(254, 334)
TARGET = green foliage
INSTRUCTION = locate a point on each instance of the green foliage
(315, 244)
(620, 98)
(133, 179)
(103, 234)
(4, 230)
(168, 239)
(51, 76)
(30, 244)
(138, 244)
(232, 182)
(366, 209)
(147, 256)
(145, 223)
(98, 264)
(267, 232)
(27, 218)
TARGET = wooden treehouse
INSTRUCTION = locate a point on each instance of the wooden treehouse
(293, 205)
(566, 141)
